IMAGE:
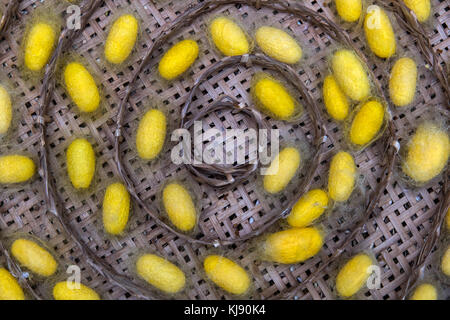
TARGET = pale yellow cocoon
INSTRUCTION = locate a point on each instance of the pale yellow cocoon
(427, 153)
(281, 170)
(34, 257)
(64, 291)
(445, 264)
(334, 99)
(6, 111)
(379, 32)
(273, 98)
(293, 245)
(367, 123)
(160, 273)
(116, 208)
(9, 287)
(227, 274)
(80, 163)
(151, 134)
(308, 208)
(179, 207)
(81, 87)
(341, 179)
(121, 39)
(278, 44)
(353, 275)
(228, 37)
(39, 46)
(350, 74)
(16, 169)
(425, 291)
(349, 10)
(178, 59)
(402, 84)
(421, 8)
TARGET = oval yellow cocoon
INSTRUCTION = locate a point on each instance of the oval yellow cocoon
(116, 208)
(367, 123)
(349, 10)
(402, 84)
(308, 208)
(350, 74)
(281, 170)
(425, 291)
(179, 207)
(353, 275)
(273, 98)
(80, 163)
(427, 153)
(16, 169)
(227, 274)
(228, 37)
(151, 134)
(341, 179)
(81, 87)
(445, 264)
(39, 46)
(379, 33)
(278, 44)
(160, 273)
(421, 8)
(334, 99)
(34, 257)
(5, 110)
(121, 39)
(9, 287)
(293, 245)
(62, 291)
(178, 59)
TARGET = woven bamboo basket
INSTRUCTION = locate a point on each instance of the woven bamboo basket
(398, 224)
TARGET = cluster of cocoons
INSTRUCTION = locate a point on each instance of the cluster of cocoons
(6, 111)
(39, 44)
(353, 276)
(282, 169)
(121, 39)
(80, 163)
(34, 257)
(116, 208)
(151, 134)
(16, 169)
(65, 290)
(179, 207)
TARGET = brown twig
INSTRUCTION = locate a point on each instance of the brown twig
(9, 14)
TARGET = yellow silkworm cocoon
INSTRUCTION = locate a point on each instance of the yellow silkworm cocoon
(228, 37)
(334, 99)
(34, 257)
(349, 10)
(341, 179)
(179, 207)
(151, 134)
(367, 123)
(39, 46)
(293, 245)
(178, 59)
(227, 274)
(379, 33)
(160, 273)
(273, 98)
(81, 87)
(121, 39)
(308, 208)
(16, 169)
(353, 275)
(80, 163)
(402, 84)
(116, 208)
(5, 110)
(421, 8)
(350, 74)
(9, 287)
(427, 153)
(65, 291)
(281, 170)
(425, 291)
(278, 44)
(445, 264)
